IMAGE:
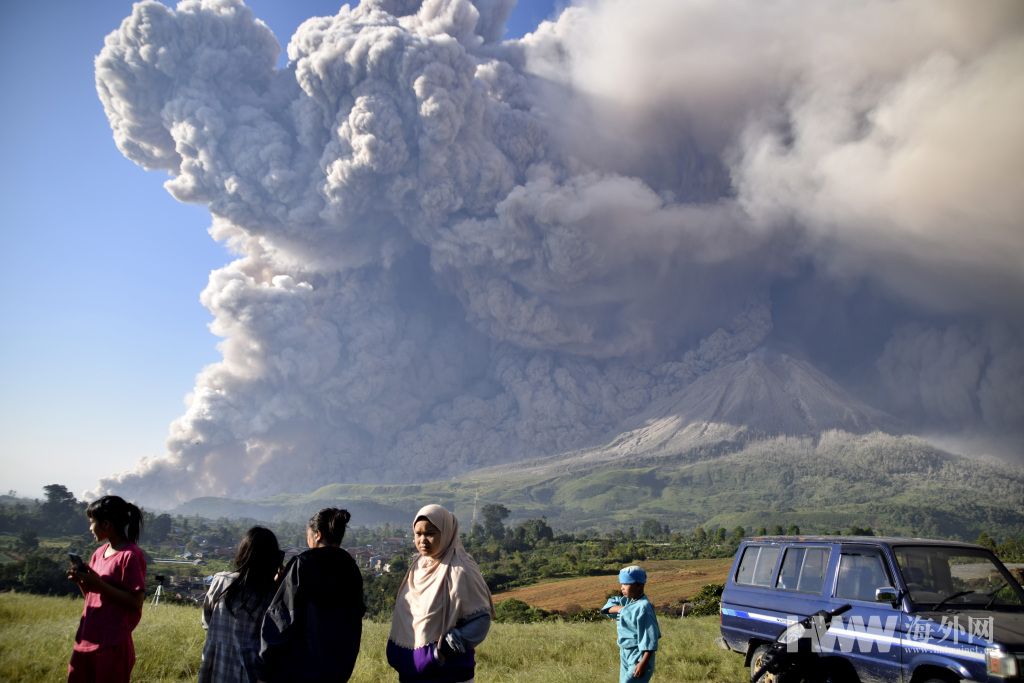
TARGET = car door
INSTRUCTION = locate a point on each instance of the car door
(868, 636)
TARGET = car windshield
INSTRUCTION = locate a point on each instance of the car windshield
(938, 577)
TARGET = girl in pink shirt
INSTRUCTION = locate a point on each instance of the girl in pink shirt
(114, 589)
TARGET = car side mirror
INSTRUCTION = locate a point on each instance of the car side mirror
(887, 594)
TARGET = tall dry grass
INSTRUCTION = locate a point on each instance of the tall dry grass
(36, 636)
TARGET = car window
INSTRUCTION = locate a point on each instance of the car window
(756, 565)
(803, 569)
(934, 573)
(860, 573)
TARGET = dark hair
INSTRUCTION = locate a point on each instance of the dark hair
(330, 524)
(257, 561)
(126, 517)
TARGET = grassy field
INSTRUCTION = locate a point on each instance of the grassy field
(36, 637)
(668, 583)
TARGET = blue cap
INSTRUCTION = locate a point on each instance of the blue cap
(632, 574)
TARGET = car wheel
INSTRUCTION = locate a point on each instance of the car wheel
(756, 660)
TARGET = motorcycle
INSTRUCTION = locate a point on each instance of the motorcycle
(793, 657)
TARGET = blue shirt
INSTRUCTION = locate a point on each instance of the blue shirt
(638, 629)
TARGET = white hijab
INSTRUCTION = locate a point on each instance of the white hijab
(438, 591)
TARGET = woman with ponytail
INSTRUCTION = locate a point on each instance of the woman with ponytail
(234, 607)
(114, 587)
(314, 624)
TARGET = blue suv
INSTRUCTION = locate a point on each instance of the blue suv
(923, 611)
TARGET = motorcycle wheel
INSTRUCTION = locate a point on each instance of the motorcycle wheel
(757, 660)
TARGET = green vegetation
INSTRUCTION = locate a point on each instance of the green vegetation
(567, 641)
(893, 484)
(708, 601)
(36, 636)
(35, 537)
(513, 611)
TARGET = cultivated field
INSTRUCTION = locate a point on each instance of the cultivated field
(36, 636)
(669, 582)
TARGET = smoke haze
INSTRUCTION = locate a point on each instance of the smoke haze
(454, 251)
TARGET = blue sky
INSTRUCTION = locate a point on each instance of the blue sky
(103, 330)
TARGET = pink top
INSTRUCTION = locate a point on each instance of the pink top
(104, 622)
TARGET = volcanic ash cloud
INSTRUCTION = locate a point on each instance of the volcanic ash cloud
(454, 251)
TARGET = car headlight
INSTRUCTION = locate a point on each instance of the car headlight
(999, 663)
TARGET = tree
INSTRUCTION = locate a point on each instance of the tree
(399, 565)
(57, 496)
(28, 540)
(38, 574)
(379, 592)
(707, 601)
(650, 529)
(535, 530)
(517, 612)
(494, 515)
(158, 528)
(61, 513)
(985, 540)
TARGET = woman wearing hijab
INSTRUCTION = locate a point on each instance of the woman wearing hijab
(444, 607)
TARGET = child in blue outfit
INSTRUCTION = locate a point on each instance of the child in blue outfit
(638, 631)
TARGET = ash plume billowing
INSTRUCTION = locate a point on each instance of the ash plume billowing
(454, 251)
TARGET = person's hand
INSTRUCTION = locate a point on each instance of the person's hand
(640, 669)
(450, 645)
(85, 577)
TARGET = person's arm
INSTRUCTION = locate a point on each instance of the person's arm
(76, 576)
(90, 582)
(641, 666)
(613, 606)
(357, 588)
(212, 596)
(648, 634)
(465, 636)
(133, 600)
(281, 616)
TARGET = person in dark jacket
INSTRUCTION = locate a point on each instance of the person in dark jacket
(312, 629)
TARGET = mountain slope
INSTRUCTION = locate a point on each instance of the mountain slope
(762, 441)
(894, 484)
(770, 393)
(761, 396)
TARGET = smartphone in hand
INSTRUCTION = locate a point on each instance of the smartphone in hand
(77, 563)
